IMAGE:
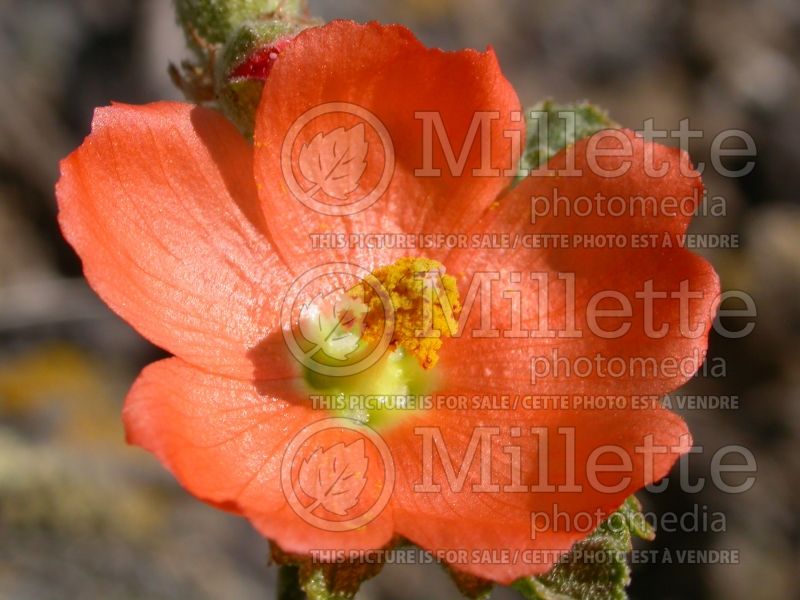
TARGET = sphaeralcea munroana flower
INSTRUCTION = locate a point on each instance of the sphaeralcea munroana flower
(191, 234)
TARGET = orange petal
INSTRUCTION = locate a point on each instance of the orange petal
(636, 353)
(160, 204)
(533, 515)
(225, 441)
(337, 159)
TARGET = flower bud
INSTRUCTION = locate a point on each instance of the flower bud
(245, 62)
(207, 22)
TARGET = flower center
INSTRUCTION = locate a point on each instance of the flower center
(413, 304)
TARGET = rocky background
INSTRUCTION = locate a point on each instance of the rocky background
(84, 516)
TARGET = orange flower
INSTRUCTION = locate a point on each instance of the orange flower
(194, 236)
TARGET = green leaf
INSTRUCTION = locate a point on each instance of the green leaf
(552, 127)
(596, 568)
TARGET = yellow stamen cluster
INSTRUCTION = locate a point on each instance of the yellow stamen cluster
(424, 301)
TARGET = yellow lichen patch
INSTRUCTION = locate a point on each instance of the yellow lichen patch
(424, 301)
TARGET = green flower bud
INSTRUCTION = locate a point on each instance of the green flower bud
(208, 22)
(244, 64)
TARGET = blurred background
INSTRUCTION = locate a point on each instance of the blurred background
(84, 516)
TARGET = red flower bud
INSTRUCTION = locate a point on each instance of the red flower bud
(259, 63)
(245, 63)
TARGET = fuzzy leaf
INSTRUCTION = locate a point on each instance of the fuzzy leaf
(596, 568)
(550, 130)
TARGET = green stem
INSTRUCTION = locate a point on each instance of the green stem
(289, 583)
